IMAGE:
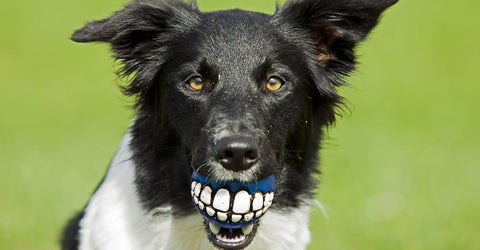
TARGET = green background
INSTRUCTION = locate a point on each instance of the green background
(400, 170)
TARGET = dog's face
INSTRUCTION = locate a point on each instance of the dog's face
(242, 91)
(234, 97)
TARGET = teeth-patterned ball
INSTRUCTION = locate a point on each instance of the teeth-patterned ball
(242, 207)
(232, 204)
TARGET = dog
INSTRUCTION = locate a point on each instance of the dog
(230, 107)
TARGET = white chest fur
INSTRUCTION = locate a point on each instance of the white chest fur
(115, 220)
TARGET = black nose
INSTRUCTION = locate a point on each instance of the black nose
(237, 153)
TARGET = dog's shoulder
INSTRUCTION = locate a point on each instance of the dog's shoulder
(114, 218)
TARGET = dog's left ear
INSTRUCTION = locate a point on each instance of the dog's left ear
(334, 26)
(327, 31)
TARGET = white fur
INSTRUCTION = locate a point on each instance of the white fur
(222, 174)
(114, 219)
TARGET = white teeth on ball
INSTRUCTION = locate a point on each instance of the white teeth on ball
(214, 228)
(257, 201)
(198, 187)
(241, 203)
(222, 200)
(248, 217)
(222, 216)
(265, 209)
(210, 211)
(206, 195)
(268, 199)
(231, 207)
(247, 229)
(236, 218)
(237, 239)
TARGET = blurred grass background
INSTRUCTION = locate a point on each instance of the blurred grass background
(401, 172)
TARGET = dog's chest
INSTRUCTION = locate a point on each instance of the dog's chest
(114, 219)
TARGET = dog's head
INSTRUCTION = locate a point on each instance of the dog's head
(236, 98)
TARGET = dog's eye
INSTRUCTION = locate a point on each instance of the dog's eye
(274, 83)
(196, 83)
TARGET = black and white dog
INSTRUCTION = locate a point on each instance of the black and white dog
(230, 107)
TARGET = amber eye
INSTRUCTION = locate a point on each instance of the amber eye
(274, 84)
(196, 83)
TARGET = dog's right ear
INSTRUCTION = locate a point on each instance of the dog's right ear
(139, 23)
(138, 33)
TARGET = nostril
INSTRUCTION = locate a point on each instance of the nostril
(251, 155)
(228, 154)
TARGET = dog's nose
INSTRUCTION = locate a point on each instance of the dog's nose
(237, 153)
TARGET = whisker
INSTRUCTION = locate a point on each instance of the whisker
(201, 166)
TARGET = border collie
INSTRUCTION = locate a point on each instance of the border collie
(230, 107)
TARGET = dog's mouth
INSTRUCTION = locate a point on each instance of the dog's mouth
(231, 238)
(231, 209)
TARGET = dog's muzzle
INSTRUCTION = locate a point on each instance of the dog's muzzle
(231, 209)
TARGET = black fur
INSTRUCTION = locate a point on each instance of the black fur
(309, 44)
(70, 239)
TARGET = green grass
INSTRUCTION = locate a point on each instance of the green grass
(401, 172)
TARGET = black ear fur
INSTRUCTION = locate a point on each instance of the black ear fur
(138, 32)
(334, 26)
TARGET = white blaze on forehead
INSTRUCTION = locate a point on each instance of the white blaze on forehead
(241, 203)
(222, 200)
(257, 201)
(206, 195)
